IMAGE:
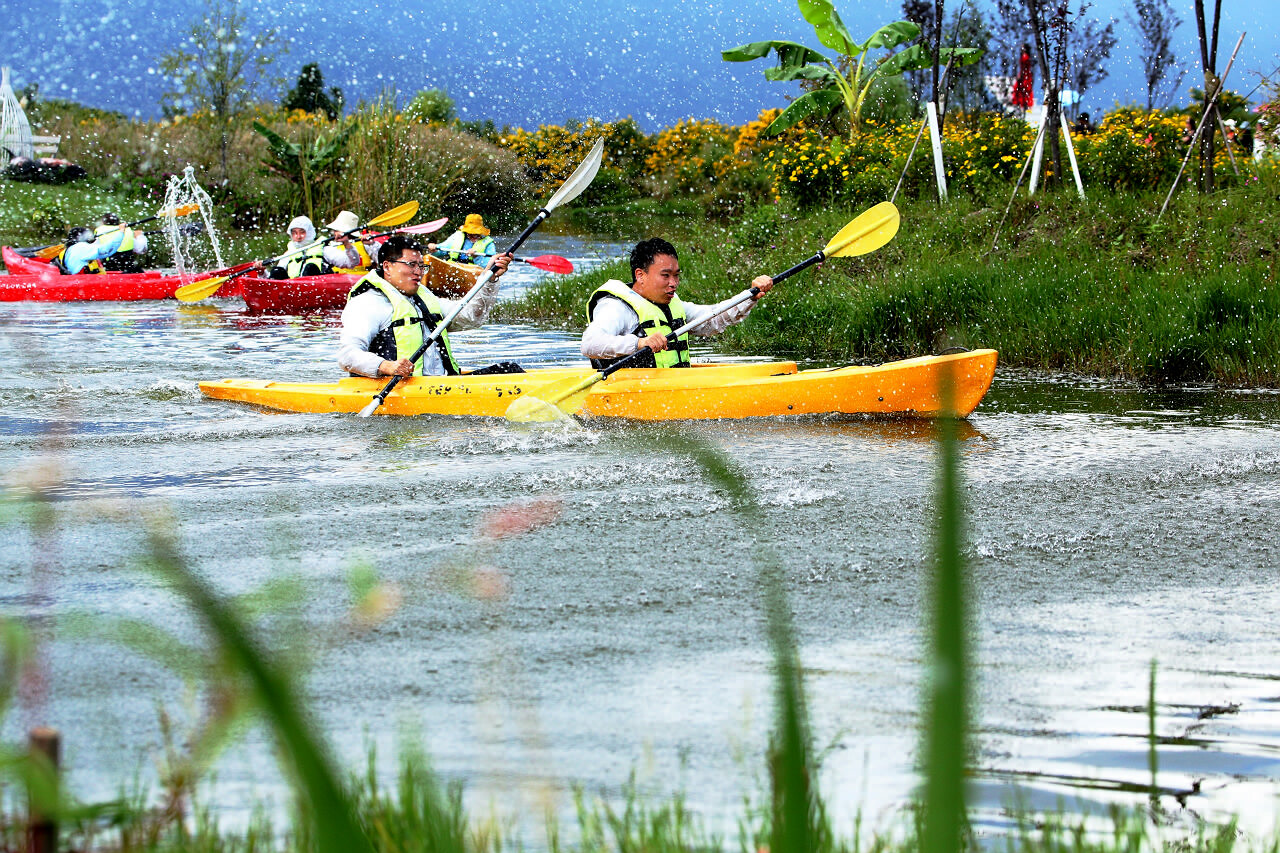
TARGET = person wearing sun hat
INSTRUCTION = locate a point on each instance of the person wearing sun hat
(469, 244)
(346, 252)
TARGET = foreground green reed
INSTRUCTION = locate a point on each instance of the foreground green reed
(346, 811)
(1096, 287)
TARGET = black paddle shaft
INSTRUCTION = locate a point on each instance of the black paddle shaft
(439, 330)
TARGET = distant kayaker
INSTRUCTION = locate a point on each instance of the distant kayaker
(470, 244)
(623, 318)
(346, 252)
(132, 244)
(388, 316)
(84, 252)
(305, 255)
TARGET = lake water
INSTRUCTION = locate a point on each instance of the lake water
(1108, 526)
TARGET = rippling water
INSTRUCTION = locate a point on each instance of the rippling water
(1108, 526)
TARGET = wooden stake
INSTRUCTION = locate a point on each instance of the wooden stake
(42, 830)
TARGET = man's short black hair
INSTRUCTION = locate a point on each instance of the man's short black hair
(110, 218)
(646, 251)
(395, 247)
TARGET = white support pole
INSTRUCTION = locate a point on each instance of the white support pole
(938, 168)
(1037, 154)
(1071, 152)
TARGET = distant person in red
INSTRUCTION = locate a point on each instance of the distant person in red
(1024, 89)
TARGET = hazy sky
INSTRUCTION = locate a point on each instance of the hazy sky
(522, 62)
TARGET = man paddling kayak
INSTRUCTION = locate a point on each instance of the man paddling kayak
(389, 314)
(84, 252)
(132, 244)
(470, 244)
(346, 252)
(624, 318)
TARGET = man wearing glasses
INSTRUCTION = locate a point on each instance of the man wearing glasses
(388, 316)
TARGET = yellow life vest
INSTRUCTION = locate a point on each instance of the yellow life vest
(298, 260)
(452, 248)
(404, 335)
(366, 260)
(126, 242)
(664, 319)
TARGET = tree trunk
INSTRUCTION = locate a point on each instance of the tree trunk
(1209, 116)
(1039, 31)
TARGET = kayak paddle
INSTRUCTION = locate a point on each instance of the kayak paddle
(48, 253)
(569, 190)
(550, 263)
(206, 287)
(866, 233)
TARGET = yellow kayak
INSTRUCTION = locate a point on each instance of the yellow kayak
(705, 391)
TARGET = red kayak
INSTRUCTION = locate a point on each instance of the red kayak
(122, 287)
(36, 280)
(296, 295)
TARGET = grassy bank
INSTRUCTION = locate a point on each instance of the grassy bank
(1097, 286)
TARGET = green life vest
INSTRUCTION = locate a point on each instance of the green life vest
(126, 242)
(663, 319)
(310, 261)
(404, 335)
(452, 248)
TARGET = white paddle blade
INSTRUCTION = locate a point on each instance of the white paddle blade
(580, 179)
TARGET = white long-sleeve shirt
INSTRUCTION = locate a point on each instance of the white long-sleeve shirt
(370, 313)
(610, 333)
(343, 257)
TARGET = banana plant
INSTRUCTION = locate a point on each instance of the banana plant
(317, 161)
(833, 89)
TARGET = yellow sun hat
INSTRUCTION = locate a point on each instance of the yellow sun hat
(474, 224)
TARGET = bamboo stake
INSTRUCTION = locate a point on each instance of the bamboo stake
(1039, 133)
(1195, 137)
(1229, 144)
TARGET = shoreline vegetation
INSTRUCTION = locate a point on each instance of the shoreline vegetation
(1098, 286)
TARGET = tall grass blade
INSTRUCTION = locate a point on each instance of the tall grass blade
(946, 720)
(1153, 759)
(335, 825)
(797, 823)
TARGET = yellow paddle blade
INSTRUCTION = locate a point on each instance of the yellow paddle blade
(197, 290)
(180, 210)
(868, 232)
(554, 401)
(48, 253)
(531, 410)
(395, 216)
